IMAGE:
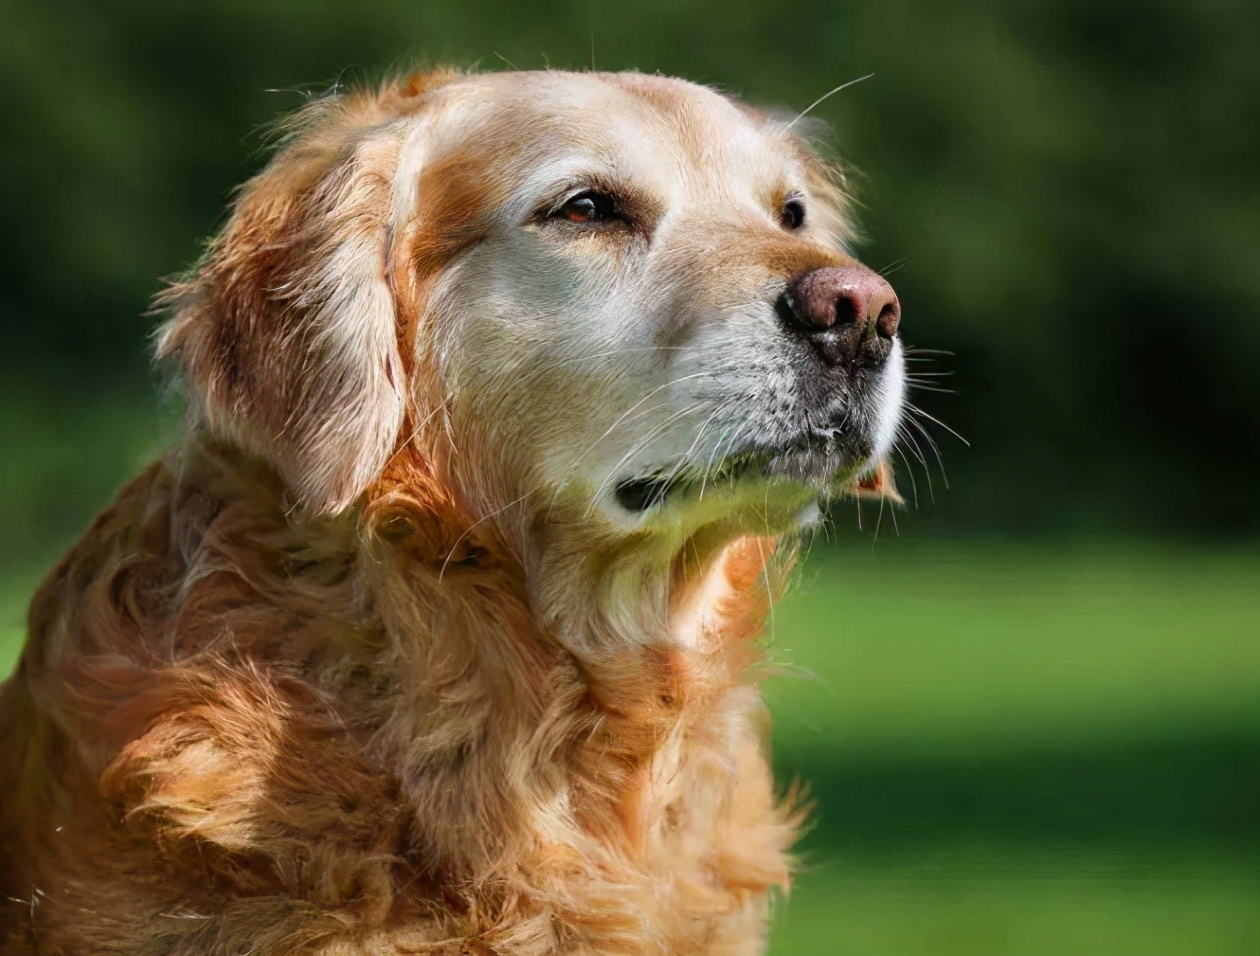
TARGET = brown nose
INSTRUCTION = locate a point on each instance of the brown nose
(847, 312)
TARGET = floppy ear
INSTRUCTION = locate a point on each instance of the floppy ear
(286, 329)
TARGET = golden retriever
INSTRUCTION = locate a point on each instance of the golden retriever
(437, 632)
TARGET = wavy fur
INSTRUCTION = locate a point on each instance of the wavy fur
(314, 682)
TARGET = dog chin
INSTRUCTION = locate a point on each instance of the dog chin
(802, 471)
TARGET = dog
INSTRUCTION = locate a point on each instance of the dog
(438, 630)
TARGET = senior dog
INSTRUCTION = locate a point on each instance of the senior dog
(437, 632)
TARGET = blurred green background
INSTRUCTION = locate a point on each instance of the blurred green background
(1030, 713)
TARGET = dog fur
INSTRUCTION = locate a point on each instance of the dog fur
(372, 662)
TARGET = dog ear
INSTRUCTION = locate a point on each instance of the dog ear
(286, 329)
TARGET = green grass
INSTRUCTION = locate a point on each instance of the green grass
(1020, 748)
(887, 910)
(1015, 748)
(992, 643)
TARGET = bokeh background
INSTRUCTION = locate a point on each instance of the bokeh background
(1030, 711)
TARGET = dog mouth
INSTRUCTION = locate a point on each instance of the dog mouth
(829, 456)
(817, 462)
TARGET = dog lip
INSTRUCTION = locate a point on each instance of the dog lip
(641, 494)
(812, 459)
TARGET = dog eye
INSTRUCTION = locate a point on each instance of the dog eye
(792, 212)
(588, 207)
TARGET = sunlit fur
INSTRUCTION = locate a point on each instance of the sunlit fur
(371, 662)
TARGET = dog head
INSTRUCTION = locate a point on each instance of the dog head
(615, 300)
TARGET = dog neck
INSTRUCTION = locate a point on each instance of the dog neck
(607, 655)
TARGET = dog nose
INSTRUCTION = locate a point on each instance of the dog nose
(846, 311)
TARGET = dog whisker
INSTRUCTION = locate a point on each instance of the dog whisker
(931, 444)
(913, 410)
(879, 520)
(914, 485)
(927, 471)
(480, 521)
(826, 96)
(638, 350)
(921, 387)
(640, 446)
(655, 391)
(685, 456)
(708, 465)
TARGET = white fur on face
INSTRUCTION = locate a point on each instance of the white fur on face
(891, 400)
(594, 358)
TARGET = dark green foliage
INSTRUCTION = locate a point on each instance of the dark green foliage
(1068, 194)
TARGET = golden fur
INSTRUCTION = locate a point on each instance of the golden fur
(322, 679)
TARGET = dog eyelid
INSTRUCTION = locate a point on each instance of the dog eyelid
(587, 206)
(590, 204)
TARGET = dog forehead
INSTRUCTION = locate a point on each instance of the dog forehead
(640, 124)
